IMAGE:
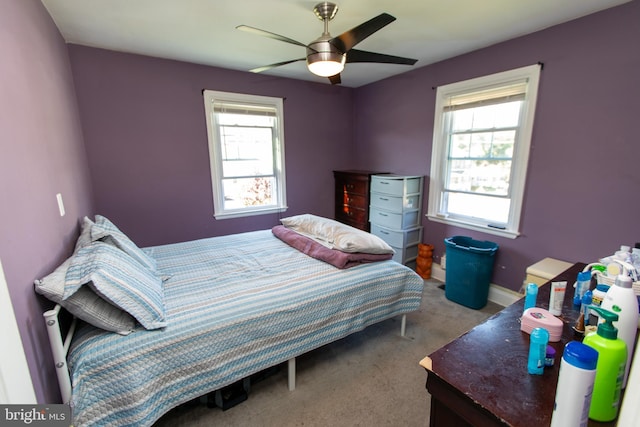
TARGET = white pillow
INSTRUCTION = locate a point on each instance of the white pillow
(336, 235)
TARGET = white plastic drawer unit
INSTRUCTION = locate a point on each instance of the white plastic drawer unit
(398, 238)
(406, 254)
(394, 220)
(395, 203)
(396, 185)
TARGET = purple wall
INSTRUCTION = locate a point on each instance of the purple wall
(41, 154)
(583, 180)
(145, 132)
(145, 153)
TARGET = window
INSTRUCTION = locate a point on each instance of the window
(246, 152)
(481, 139)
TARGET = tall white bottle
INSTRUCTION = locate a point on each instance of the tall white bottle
(630, 406)
(575, 385)
(621, 299)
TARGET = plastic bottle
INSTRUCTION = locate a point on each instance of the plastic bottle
(532, 295)
(587, 299)
(582, 285)
(612, 358)
(537, 351)
(575, 385)
(621, 299)
(628, 416)
(599, 293)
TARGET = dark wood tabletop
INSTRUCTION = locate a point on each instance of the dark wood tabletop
(481, 378)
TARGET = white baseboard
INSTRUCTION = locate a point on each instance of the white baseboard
(497, 294)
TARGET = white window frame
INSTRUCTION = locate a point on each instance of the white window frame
(215, 153)
(520, 160)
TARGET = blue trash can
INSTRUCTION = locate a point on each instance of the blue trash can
(468, 270)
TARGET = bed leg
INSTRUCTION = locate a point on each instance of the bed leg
(291, 373)
(59, 351)
(403, 325)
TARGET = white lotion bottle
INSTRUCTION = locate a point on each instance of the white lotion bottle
(622, 300)
(575, 386)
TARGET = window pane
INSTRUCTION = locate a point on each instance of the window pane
(246, 151)
(241, 193)
(484, 117)
(507, 114)
(460, 145)
(503, 143)
(480, 145)
(462, 120)
(476, 206)
(480, 176)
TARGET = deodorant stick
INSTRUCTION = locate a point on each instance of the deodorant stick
(575, 386)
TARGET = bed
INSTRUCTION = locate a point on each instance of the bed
(232, 306)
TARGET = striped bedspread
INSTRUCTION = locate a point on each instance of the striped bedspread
(235, 305)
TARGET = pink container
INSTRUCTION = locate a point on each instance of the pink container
(536, 317)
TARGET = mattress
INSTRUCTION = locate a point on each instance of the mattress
(235, 305)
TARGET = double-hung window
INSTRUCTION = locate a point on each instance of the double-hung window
(246, 152)
(481, 139)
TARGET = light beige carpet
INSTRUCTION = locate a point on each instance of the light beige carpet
(371, 378)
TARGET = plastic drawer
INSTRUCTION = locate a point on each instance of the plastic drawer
(395, 220)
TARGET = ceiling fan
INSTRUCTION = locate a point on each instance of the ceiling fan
(327, 55)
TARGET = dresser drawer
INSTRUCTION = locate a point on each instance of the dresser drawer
(398, 238)
(394, 203)
(352, 216)
(354, 200)
(353, 186)
(397, 186)
(387, 219)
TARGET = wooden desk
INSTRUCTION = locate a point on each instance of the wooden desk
(481, 378)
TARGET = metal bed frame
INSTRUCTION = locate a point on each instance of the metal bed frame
(60, 349)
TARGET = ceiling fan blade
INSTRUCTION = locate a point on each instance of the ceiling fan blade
(335, 80)
(356, 55)
(349, 39)
(268, 67)
(269, 34)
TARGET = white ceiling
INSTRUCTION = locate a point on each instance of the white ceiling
(203, 31)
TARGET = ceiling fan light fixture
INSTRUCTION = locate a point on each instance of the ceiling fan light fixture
(326, 67)
(324, 59)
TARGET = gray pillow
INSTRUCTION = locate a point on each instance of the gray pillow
(120, 279)
(85, 304)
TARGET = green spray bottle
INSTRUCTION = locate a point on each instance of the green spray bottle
(612, 360)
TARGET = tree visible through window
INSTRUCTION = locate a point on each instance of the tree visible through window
(246, 150)
(482, 133)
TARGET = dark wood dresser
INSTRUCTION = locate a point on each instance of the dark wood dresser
(352, 197)
(481, 379)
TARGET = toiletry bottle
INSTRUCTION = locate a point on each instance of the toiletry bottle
(582, 285)
(628, 416)
(575, 385)
(537, 351)
(598, 294)
(587, 299)
(531, 296)
(621, 299)
(612, 358)
(556, 297)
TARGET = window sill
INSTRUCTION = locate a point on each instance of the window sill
(240, 214)
(482, 229)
